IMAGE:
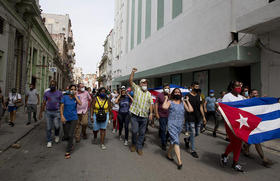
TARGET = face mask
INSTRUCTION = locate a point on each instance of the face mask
(52, 88)
(83, 89)
(195, 90)
(246, 94)
(144, 88)
(177, 97)
(237, 90)
(166, 91)
(102, 95)
(212, 95)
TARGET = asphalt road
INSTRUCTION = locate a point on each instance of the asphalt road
(34, 162)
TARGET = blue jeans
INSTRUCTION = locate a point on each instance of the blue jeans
(193, 129)
(138, 127)
(52, 119)
(163, 124)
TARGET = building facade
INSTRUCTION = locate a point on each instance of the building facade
(60, 28)
(105, 65)
(27, 50)
(213, 42)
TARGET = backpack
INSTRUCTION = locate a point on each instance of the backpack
(101, 115)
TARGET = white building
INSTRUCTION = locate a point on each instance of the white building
(178, 41)
(60, 28)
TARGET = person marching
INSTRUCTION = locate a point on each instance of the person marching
(177, 108)
(51, 103)
(162, 115)
(235, 144)
(82, 113)
(13, 99)
(32, 100)
(246, 147)
(194, 118)
(69, 116)
(210, 110)
(115, 111)
(100, 116)
(124, 100)
(141, 106)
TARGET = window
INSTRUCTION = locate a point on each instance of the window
(132, 24)
(148, 18)
(1, 25)
(160, 14)
(139, 27)
(177, 8)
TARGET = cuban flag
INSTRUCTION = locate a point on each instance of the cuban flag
(159, 90)
(253, 120)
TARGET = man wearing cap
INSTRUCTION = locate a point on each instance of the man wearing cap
(210, 110)
(141, 109)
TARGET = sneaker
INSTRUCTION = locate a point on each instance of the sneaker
(214, 134)
(28, 123)
(113, 131)
(223, 160)
(49, 144)
(121, 138)
(132, 148)
(56, 139)
(103, 147)
(202, 130)
(140, 152)
(125, 143)
(237, 167)
(194, 154)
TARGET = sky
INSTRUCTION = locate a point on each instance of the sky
(92, 20)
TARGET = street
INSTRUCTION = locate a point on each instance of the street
(33, 161)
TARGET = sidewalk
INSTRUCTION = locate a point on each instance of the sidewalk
(272, 145)
(10, 135)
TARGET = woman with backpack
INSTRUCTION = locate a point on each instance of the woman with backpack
(100, 116)
(14, 102)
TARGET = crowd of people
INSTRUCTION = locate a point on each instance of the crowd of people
(78, 108)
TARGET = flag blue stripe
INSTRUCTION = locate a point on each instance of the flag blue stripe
(270, 116)
(265, 136)
(253, 102)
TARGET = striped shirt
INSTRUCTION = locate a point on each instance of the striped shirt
(141, 101)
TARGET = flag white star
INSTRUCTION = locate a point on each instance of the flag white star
(242, 121)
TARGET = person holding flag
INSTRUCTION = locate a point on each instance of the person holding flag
(235, 144)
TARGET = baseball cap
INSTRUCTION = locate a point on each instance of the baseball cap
(212, 91)
(123, 87)
(143, 80)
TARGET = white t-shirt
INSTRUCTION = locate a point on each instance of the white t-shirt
(229, 97)
(115, 106)
(32, 96)
(13, 98)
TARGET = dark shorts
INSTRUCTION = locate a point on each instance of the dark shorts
(12, 108)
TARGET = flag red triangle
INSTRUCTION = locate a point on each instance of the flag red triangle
(241, 123)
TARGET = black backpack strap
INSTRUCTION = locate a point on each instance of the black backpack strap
(99, 103)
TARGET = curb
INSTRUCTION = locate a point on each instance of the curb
(20, 137)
